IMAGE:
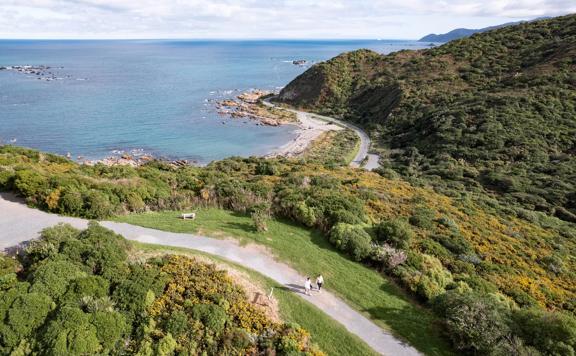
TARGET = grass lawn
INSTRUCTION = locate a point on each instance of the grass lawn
(332, 337)
(310, 253)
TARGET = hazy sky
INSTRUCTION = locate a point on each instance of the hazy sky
(392, 19)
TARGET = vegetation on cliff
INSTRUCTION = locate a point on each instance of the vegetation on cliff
(493, 114)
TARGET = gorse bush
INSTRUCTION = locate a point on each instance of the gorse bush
(76, 293)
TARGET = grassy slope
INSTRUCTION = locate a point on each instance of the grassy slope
(308, 252)
(332, 337)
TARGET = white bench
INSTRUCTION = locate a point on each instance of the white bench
(186, 216)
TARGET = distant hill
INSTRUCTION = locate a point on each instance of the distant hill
(461, 33)
(466, 32)
(494, 113)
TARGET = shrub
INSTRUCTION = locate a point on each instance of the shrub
(305, 214)
(552, 333)
(71, 202)
(27, 312)
(455, 243)
(98, 205)
(105, 305)
(166, 346)
(388, 256)
(177, 323)
(267, 168)
(52, 277)
(474, 323)
(71, 333)
(395, 232)
(6, 179)
(260, 215)
(135, 203)
(94, 286)
(30, 183)
(110, 328)
(212, 316)
(424, 275)
(423, 218)
(352, 239)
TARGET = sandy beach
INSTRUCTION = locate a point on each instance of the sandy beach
(309, 130)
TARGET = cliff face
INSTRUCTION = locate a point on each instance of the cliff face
(495, 111)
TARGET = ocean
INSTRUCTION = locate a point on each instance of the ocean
(151, 96)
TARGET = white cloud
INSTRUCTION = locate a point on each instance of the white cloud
(261, 18)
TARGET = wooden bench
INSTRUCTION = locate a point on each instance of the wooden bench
(186, 216)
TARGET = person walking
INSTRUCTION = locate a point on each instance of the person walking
(319, 282)
(307, 286)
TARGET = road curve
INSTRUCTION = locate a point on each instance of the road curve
(362, 153)
(19, 223)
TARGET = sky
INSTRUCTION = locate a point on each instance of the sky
(261, 19)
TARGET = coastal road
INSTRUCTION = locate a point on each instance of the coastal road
(19, 223)
(361, 155)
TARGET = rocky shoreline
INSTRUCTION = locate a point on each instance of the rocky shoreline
(248, 105)
(127, 160)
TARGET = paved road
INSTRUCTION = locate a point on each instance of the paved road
(20, 223)
(372, 162)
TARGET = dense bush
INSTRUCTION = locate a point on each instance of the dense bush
(551, 333)
(483, 324)
(474, 323)
(352, 239)
(395, 232)
(78, 294)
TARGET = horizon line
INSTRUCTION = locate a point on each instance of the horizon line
(204, 39)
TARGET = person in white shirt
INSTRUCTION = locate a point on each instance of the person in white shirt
(319, 282)
(307, 286)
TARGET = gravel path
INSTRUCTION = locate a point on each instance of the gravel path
(20, 223)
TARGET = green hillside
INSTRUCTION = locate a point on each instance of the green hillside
(494, 113)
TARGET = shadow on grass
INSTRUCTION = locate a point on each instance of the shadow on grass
(240, 226)
(407, 324)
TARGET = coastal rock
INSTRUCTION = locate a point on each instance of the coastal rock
(248, 106)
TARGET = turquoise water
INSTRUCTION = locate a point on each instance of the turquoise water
(150, 96)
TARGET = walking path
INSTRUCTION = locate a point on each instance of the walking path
(19, 223)
(362, 153)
